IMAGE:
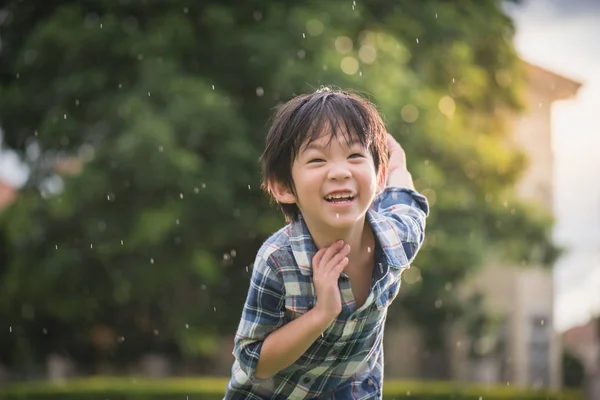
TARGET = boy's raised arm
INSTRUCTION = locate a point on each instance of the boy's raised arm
(403, 207)
(398, 174)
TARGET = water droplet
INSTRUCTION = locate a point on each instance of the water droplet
(10, 329)
(65, 115)
(185, 10)
(196, 190)
(148, 94)
(76, 102)
(18, 75)
(156, 332)
(203, 287)
(152, 261)
(248, 187)
(120, 86)
(45, 331)
(213, 87)
(246, 268)
(181, 195)
(177, 221)
(91, 246)
(56, 247)
(260, 91)
(303, 35)
(121, 243)
(160, 148)
(187, 326)
(100, 26)
(215, 308)
(121, 339)
(225, 256)
(204, 186)
(452, 80)
(417, 40)
(542, 322)
(233, 253)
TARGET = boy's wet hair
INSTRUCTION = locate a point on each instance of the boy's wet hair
(304, 118)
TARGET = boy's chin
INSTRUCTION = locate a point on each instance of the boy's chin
(342, 221)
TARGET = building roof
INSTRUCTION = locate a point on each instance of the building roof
(550, 83)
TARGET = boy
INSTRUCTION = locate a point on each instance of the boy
(312, 324)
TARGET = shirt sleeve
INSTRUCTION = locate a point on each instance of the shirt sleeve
(407, 211)
(263, 313)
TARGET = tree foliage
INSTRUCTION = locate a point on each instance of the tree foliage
(142, 123)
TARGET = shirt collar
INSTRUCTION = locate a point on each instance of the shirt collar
(304, 248)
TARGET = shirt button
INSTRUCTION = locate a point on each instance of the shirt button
(306, 379)
(352, 318)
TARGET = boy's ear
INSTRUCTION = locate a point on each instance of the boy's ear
(282, 193)
(382, 179)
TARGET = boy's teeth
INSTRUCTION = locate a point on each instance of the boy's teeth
(338, 196)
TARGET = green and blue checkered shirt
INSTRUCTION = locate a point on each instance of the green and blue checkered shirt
(346, 362)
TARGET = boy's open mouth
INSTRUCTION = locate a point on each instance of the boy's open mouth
(338, 198)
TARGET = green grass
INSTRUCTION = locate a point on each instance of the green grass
(206, 388)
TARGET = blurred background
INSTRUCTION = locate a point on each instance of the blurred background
(131, 212)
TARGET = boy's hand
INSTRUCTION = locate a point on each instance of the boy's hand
(327, 266)
(398, 174)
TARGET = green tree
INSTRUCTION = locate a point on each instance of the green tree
(165, 104)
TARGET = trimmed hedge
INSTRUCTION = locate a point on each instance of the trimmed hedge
(106, 388)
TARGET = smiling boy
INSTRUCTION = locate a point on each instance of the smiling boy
(313, 321)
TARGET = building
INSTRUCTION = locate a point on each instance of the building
(529, 350)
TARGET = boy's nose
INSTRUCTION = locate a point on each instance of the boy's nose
(339, 172)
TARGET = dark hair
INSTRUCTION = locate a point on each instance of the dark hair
(300, 121)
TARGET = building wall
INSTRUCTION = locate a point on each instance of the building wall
(524, 297)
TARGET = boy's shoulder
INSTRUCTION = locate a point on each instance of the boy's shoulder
(277, 245)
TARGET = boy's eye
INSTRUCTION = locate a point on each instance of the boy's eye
(315, 160)
(356, 155)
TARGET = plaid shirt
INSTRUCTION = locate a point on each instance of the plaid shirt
(346, 362)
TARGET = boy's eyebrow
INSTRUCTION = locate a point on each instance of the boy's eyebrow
(313, 146)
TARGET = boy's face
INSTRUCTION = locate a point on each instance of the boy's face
(335, 181)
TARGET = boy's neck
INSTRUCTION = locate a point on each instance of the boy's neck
(360, 238)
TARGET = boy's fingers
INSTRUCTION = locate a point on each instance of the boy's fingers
(331, 251)
(337, 269)
(316, 261)
(392, 143)
(344, 251)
